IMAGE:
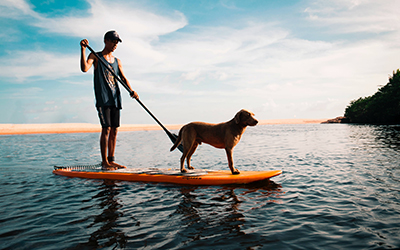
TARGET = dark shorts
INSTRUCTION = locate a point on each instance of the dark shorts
(109, 116)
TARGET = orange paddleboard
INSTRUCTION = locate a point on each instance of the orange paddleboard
(192, 177)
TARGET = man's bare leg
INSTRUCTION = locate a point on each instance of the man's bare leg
(112, 142)
(103, 149)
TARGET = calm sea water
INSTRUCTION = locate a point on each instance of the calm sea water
(340, 189)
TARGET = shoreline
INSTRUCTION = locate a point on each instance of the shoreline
(62, 128)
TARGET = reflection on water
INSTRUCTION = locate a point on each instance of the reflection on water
(190, 216)
(204, 217)
(106, 234)
(388, 135)
(376, 136)
(339, 190)
(380, 142)
(208, 215)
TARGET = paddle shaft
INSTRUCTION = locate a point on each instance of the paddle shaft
(170, 135)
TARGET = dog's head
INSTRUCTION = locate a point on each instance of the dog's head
(245, 118)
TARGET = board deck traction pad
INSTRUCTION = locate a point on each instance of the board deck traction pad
(148, 171)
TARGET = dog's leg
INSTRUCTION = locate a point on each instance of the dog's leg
(183, 157)
(189, 156)
(186, 151)
(229, 152)
(189, 145)
(183, 170)
(187, 148)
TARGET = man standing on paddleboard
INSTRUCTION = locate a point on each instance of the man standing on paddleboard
(107, 94)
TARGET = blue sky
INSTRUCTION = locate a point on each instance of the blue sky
(197, 60)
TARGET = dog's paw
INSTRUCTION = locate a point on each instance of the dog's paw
(183, 170)
(190, 167)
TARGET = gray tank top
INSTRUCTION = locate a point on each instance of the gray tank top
(106, 88)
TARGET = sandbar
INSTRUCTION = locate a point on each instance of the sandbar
(60, 128)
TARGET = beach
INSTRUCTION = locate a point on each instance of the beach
(59, 128)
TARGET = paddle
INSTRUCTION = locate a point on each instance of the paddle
(171, 136)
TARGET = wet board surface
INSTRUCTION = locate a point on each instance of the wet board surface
(192, 177)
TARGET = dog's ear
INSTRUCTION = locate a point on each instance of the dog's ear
(237, 116)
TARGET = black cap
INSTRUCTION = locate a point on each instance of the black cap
(112, 35)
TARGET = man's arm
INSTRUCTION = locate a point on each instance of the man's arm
(86, 64)
(123, 78)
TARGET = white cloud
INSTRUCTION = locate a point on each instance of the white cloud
(345, 16)
(16, 9)
(41, 64)
(104, 15)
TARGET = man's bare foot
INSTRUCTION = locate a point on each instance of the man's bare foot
(236, 171)
(107, 166)
(116, 165)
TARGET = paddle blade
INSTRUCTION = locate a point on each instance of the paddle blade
(173, 138)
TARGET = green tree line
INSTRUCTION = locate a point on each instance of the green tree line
(381, 108)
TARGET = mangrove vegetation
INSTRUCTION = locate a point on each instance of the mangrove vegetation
(381, 108)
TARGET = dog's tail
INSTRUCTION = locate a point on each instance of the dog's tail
(177, 142)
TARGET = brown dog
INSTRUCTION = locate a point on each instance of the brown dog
(222, 135)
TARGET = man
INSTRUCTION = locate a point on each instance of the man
(107, 93)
